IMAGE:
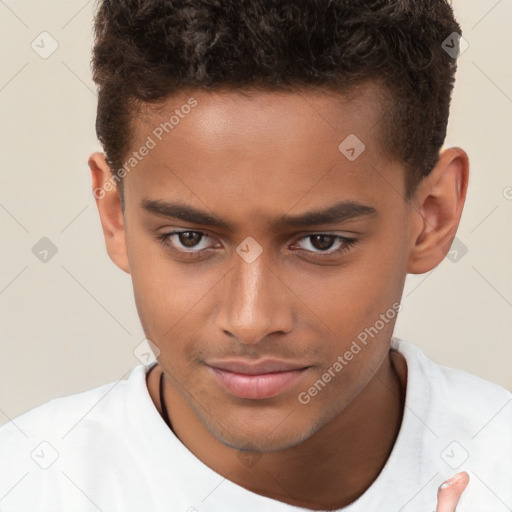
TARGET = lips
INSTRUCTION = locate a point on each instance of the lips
(258, 368)
(263, 379)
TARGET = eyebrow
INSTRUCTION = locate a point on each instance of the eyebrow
(338, 212)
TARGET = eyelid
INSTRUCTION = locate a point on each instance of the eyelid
(346, 245)
(298, 236)
(175, 232)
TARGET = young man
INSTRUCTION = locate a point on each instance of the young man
(272, 172)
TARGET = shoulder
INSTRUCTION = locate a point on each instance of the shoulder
(456, 402)
(61, 409)
(452, 383)
(52, 453)
(57, 419)
(464, 417)
(458, 421)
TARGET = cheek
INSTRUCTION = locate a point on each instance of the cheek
(162, 293)
(347, 298)
(173, 299)
(357, 302)
(381, 273)
(166, 299)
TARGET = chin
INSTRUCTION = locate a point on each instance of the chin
(268, 438)
(247, 444)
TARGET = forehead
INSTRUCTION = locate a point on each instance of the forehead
(221, 116)
(247, 145)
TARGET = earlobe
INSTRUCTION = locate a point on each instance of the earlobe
(438, 203)
(109, 207)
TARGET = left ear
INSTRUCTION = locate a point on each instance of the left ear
(438, 203)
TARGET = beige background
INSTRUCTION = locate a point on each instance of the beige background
(70, 324)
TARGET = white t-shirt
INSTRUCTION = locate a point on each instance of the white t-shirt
(108, 449)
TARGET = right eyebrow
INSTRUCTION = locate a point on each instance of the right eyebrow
(338, 212)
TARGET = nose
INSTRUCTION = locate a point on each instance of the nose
(255, 301)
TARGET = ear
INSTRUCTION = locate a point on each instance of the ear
(109, 207)
(438, 203)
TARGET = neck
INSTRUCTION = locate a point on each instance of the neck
(329, 470)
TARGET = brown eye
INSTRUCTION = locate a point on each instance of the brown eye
(321, 246)
(322, 242)
(188, 243)
(189, 238)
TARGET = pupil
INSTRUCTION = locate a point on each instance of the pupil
(326, 241)
(190, 238)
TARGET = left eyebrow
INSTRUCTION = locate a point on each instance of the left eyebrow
(338, 212)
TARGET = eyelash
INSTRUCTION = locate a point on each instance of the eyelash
(347, 244)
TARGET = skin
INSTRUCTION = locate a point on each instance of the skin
(250, 160)
(449, 497)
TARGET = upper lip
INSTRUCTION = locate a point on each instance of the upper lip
(256, 368)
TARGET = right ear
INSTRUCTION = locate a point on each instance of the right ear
(107, 198)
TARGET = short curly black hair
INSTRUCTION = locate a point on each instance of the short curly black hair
(146, 50)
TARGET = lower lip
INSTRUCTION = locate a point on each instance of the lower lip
(260, 386)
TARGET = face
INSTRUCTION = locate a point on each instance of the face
(231, 268)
